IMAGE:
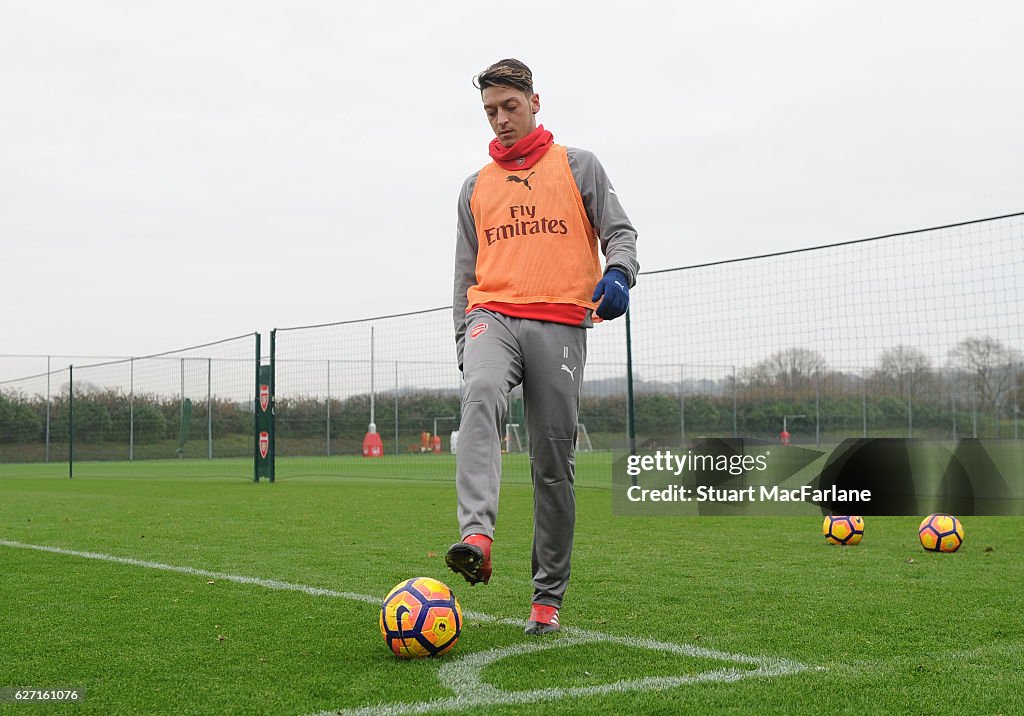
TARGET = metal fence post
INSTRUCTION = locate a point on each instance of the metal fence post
(328, 361)
(397, 445)
(817, 410)
(864, 404)
(131, 410)
(209, 409)
(47, 458)
(630, 405)
(735, 404)
(682, 410)
(256, 414)
(71, 421)
(273, 404)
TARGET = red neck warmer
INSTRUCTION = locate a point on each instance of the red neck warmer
(524, 153)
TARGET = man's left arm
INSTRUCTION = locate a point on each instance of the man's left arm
(614, 230)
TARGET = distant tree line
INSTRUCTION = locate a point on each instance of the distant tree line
(103, 416)
(982, 379)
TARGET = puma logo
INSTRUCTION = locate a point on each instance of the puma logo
(517, 180)
(570, 372)
(399, 613)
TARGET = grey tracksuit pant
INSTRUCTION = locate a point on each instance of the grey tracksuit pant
(547, 358)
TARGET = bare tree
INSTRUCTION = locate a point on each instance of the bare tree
(905, 368)
(790, 368)
(989, 367)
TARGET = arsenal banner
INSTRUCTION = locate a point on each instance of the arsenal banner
(264, 438)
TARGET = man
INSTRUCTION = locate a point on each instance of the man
(527, 281)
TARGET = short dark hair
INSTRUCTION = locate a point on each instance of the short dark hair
(506, 73)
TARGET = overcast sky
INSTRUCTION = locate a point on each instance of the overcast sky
(178, 172)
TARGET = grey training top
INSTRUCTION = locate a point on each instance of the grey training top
(613, 228)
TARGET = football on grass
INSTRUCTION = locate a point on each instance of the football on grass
(941, 533)
(843, 529)
(420, 617)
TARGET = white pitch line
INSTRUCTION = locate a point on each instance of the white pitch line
(254, 581)
(465, 675)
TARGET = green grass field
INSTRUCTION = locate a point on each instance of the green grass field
(663, 614)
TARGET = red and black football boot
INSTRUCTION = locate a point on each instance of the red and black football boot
(543, 620)
(471, 558)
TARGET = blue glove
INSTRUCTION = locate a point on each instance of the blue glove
(614, 287)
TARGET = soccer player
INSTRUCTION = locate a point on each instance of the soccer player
(528, 280)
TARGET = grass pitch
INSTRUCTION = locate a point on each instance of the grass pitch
(665, 614)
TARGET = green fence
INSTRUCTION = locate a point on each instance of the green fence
(917, 334)
(192, 407)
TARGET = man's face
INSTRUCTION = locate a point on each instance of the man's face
(510, 112)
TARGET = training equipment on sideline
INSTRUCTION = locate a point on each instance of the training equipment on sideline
(420, 617)
(941, 533)
(843, 529)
